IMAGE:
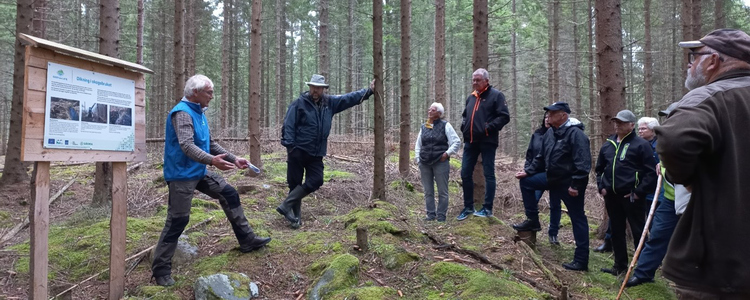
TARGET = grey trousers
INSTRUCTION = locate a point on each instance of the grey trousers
(436, 173)
(178, 216)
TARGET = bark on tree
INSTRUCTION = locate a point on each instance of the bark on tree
(226, 43)
(323, 62)
(254, 101)
(648, 60)
(609, 61)
(378, 185)
(190, 34)
(139, 36)
(691, 24)
(576, 64)
(348, 126)
(593, 103)
(179, 50)
(719, 15)
(280, 61)
(440, 87)
(514, 84)
(14, 170)
(555, 51)
(405, 128)
(480, 59)
(109, 40)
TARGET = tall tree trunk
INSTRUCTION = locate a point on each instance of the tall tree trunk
(280, 61)
(253, 126)
(550, 56)
(440, 87)
(719, 14)
(378, 185)
(404, 138)
(109, 41)
(691, 27)
(576, 64)
(555, 50)
(593, 103)
(226, 43)
(179, 50)
(190, 33)
(648, 61)
(514, 84)
(139, 34)
(480, 53)
(323, 60)
(348, 126)
(39, 20)
(609, 61)
(15, 170)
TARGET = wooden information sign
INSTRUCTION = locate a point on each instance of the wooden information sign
(76, 129)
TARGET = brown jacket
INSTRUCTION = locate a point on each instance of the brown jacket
(705, 144)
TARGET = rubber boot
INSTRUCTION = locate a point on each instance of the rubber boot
(296, 209)
(286, 208)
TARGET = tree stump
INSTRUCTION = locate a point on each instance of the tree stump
(362, 239)
(528, 237)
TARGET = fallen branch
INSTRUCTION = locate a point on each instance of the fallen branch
(483, 259)
(349, 159)
(133, 167)
(25, 221)
(538, 262)
(137, 255)
(380, 282)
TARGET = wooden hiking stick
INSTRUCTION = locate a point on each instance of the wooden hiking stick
(643, 236)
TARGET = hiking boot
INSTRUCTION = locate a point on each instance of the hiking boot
(528, 225)
(614, 271)
(165, 280)
(605, 247)
(575, 266)
(484, 213)
(465, 214)
(429, 218)
(634, 281)
(553, 240)
(254, 244)
(286, 208)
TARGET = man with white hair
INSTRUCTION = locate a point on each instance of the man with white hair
(188, 149)
(484, 116)
(703, 145)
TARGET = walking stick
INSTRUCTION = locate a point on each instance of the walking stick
(643, 236)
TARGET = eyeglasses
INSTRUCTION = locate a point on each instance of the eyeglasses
(692, 55)
(211, 92)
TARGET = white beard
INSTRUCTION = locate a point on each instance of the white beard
(693, 82)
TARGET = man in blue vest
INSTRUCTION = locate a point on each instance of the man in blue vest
(188, 148)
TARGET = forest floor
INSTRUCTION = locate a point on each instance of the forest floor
(407, 258)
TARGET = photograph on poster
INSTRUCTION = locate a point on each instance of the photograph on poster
(65, 109)
(120, 115)
(95, 113)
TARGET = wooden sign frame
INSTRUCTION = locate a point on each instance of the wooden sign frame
(39, 52)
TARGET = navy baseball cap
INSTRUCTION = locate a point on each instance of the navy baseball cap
(558, 106)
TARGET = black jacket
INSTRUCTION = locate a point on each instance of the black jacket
(535, 146)
(565, 156)
(626, 167)
(483, 120)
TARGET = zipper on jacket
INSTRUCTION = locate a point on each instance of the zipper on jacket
(614, 159)
(473, 112)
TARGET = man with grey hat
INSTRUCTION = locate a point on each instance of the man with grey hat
(703, 145)
(305, 135)
(562, 167)
(625, 174)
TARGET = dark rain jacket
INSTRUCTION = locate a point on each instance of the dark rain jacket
(307, 124)
(704, 144)
(565, 156)
(484, 118)
(535, 146)
(627, 167)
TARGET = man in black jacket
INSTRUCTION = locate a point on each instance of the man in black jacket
(562, 168)
(484, 116)
(625, 174)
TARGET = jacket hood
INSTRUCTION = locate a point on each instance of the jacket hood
(573, 122)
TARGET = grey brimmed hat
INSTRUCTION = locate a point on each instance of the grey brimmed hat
(317, 80)
(732, 42)
(625, 116)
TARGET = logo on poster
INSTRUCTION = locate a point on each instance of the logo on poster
(60, 75)
(51, 141)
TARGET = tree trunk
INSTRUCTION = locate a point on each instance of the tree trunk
(139, 35)
(179, 50)
(719, 14)
(593, 103)
(404, 138)
(109, 40)
(190, 33)
(254, 101)
(514, 85)
(648, 61)
(609, 58)
(480, 59)
(555, 51)
(440, 87)
(14, 170)
(226, 43)
(348, 126)
(280, 61)
(576, 65)
(378, 185)
(323, 39)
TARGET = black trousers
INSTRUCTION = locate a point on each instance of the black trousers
(300, 163)
(621, 209)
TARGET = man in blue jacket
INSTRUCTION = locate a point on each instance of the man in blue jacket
(305, 135)
(625, 174)
(484, 116)
(562, 167)
(188, 148)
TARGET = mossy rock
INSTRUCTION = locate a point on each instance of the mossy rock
(340, 274)
(365, 293)
(156, 292)
(402, 185)
(227, 286)
(459, 281)
(394, 257)
(375, 219)
(311, 242)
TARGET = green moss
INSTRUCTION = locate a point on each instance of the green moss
(340, 274)
(311, 242)
(5, 219)
(240, 283)
(158, 293)
(204, 203)
(473, 228)
(365, 293)
(375, 219)
(459, 281)
(336, 174)
(402, 185)
(453, 188)
(393, 256)
(455, 163)
(212, 264)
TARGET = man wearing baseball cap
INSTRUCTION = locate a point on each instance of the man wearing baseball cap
(703, 145)
(562, 167)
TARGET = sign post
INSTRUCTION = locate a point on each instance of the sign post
(80, 106)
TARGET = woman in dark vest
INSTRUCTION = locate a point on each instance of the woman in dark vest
(436, 142)
(535, 146)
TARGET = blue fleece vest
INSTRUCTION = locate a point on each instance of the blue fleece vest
(177, 165)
